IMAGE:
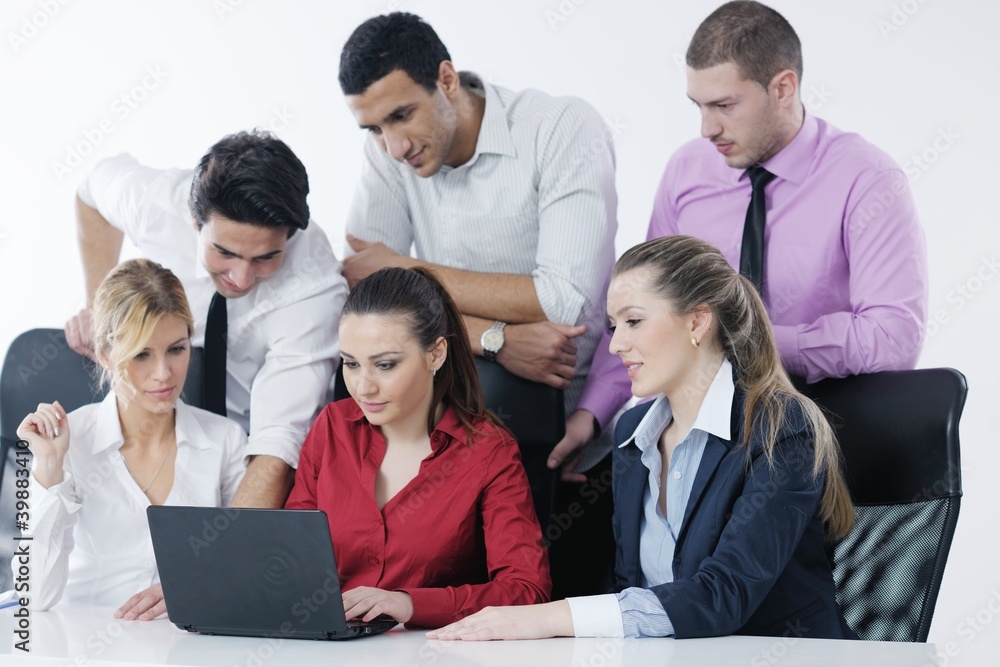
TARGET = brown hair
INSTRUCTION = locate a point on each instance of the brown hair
(752, 36)
(689, 272)
(418, 297)
(128, 305)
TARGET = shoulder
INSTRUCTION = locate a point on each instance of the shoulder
(549, 114)
(83, 420)
(214, 428)
(849, 152)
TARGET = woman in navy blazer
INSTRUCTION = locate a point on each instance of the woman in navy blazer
(728, 491)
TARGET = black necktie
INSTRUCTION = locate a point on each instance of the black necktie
(213, 384)
(752, 252)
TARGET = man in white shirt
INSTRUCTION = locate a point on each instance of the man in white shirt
(509, 197)
(238, 225)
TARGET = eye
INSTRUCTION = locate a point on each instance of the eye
(385, 365)
(632, 323)
(142, 356)
(723, 106)
(178, 349)
(611, 329)
(347, 363)
(374, 130)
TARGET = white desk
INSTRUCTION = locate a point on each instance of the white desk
(90, 637)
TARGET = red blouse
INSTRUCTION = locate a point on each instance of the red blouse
(460, 536)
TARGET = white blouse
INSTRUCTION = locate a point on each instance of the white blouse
(91, 541)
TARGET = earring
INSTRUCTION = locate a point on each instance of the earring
(434, 373)
(694, 342)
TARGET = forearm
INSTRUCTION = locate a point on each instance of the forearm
(100, 246)
(267, 483)
(506, 297)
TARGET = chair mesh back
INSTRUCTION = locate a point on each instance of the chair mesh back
(889, 568)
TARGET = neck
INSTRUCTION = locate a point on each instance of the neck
(142, 428)
(470, 108)
(411, 430)
(791, 128)
(686, 399)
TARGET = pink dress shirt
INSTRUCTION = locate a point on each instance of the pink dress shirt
(845, 267)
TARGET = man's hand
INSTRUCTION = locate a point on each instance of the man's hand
(79, 334)
(266, 484)
(144, 605)
(366, 603)
(538, 621)
(541, 352)
(369, 258)
(569, 450)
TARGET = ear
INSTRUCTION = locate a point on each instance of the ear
(438, 353)
(701, 321)
(785, 87)
(448, 80)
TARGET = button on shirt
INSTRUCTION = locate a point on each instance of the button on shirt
(282, 336)
(537, 198)
(459, 536)
(91, 540)
(636, 612)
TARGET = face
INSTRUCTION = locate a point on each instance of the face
(653, 342)
(386, 370)
(744, 121)
(411, 124)
(156, 375)
(239, 255)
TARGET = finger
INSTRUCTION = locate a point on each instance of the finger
(144, 603)
(125, 608)
(357, 609)
(376, 609)
(569, 473)
(571, 331)
(155, 611)
(356, 243)
(556, 381)
(60, 408)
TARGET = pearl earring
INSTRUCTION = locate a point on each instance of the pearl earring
(694, 342)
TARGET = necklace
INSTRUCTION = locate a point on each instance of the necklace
(155, 474)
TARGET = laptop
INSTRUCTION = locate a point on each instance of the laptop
(251, 572)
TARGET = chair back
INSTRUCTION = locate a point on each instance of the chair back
(41, 368)
(534, 413)
(898, 431)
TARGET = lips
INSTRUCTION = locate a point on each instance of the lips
(162, 394)
(414, 159)
(632, 367)
(373, 407)
(724, 148)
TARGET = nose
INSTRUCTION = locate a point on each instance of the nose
(710, 126)
(241, 274)
(396, 144)
(364, 387)
(161, 370)
(617, 344)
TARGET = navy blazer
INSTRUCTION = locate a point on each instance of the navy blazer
(751, 556)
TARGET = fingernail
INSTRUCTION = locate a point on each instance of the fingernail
(57, 432)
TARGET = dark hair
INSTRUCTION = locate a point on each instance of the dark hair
(689, 272)
(752, 36)
(254, 178)
(416, 296)
(383, 44)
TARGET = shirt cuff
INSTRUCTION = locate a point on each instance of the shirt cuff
(286, 451)
(596, 616)
(643, 614)
(786, 336)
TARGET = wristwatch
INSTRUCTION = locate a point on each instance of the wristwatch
(492, 340)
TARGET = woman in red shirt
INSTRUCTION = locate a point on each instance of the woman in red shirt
(429, 506)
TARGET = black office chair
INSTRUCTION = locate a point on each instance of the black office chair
(533, 412)
(40, 367)
(899, 435)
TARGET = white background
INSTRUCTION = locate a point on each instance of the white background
(901, 73)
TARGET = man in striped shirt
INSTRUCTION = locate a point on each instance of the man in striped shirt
(509, 197)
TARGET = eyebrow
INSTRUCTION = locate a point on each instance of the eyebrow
(625, 308)
(266, 255)
(374, 356)
(398, 111)
(728, 99)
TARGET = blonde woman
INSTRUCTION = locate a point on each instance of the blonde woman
(728, 490)
(97, 469)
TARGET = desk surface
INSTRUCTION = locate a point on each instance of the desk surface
(73, 635)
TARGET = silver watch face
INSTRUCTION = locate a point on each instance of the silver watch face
(492, 340)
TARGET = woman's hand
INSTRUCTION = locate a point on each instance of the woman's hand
(144, 605)
(366, 603)
(46, 431)
(538, 621)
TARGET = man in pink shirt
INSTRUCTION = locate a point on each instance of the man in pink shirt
(844, 258)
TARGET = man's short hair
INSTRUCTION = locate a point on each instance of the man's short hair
(254, 178)
(384, 44)
(752, 36)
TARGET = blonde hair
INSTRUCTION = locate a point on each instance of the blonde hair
(689, 272)
(128, 305)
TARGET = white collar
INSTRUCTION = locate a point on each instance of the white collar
(714, 416)
(108, 431)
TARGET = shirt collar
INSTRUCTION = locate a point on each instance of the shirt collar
(108, 431)
(494, 131)
(714, 416)
(794, 161)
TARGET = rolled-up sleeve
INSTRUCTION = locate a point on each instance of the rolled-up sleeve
(577, 209)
